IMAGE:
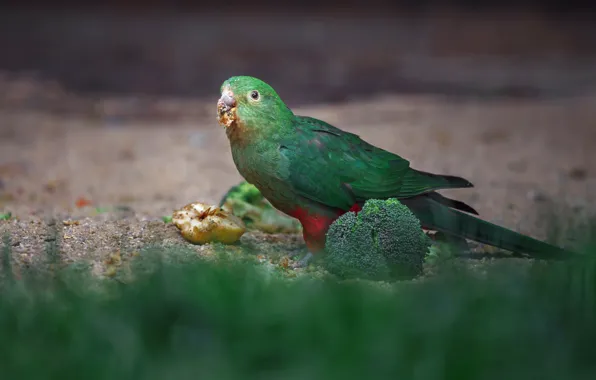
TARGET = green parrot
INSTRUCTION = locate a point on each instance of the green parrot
(315, 172)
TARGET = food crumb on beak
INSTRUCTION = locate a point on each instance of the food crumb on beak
(226, 108)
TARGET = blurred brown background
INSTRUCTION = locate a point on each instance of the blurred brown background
(310, 52)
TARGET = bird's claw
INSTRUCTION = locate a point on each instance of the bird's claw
(303, 262)
(293, 254)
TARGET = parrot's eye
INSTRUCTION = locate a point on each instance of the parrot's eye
(254, 94)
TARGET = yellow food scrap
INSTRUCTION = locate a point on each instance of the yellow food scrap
(227, 118)
(200, 223)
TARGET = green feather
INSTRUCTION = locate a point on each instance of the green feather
(338, 168)
(452, 222)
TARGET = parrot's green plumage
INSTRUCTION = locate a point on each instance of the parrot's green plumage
(316, 172)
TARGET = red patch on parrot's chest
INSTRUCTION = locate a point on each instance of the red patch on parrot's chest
(315, 226)
(356, 208)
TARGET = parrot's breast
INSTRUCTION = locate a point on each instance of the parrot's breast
(264, 168)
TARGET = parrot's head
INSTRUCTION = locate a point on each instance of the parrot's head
(248, 104)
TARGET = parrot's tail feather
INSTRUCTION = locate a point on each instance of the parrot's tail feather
(445, 181)
(459, 205)
(439, 217)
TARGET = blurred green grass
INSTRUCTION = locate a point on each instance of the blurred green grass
(225, 319)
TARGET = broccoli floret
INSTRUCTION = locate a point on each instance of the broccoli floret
(348, 247)
(246, 202)
(244, 192)
(383, 241)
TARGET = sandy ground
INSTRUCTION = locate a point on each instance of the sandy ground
(141, 160)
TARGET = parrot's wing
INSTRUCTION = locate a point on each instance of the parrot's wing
(339, 169)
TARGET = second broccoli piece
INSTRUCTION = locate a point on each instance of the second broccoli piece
(383, 241)
(246, 202)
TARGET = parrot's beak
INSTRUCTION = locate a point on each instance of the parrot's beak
(227, 98)
(226, 108)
